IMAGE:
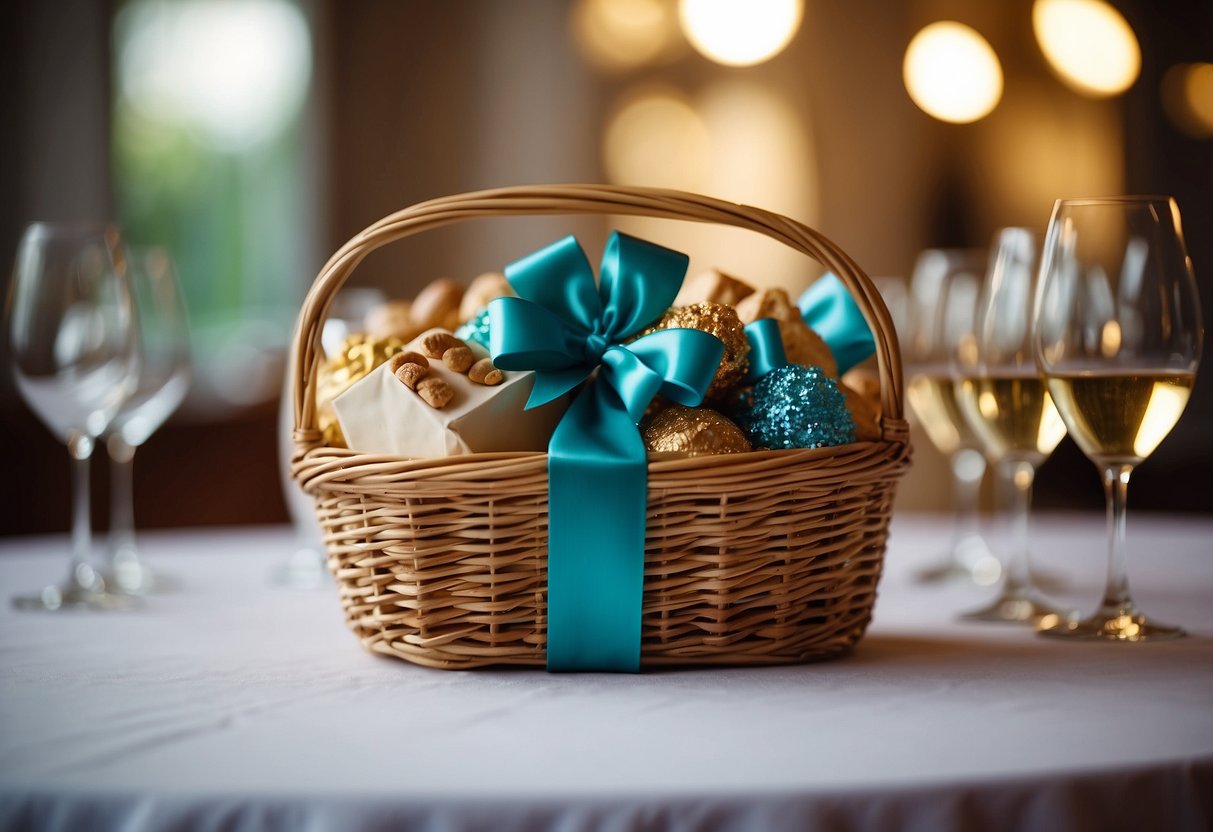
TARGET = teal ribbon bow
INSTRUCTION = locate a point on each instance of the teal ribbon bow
(829, 309)
(567, 331)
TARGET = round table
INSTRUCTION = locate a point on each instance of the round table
(229, 704)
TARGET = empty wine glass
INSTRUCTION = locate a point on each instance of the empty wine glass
(943, 296)
(1118, 337)
(70, 320)
(1005, 403)
(163, 377)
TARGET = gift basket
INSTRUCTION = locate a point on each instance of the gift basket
(761, 557)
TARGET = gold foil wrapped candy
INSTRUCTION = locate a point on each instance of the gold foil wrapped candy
(694, 431)
(721, 321)
(358, 355)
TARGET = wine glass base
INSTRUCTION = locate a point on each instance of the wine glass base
(1020, 606)
(1111, 624)
(1047, 581)
(58, 598)
(132, 576)
(984, 572)
(969, 561)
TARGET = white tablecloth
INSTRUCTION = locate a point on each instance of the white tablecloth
(232, 705)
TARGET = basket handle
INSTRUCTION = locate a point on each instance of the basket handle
(306, 353)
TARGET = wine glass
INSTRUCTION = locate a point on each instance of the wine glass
(70, 321)
(1005, 403)
(943, 295)
(1117, 338)
(163, 334)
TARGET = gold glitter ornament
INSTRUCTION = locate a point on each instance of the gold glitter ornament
(358, 355)
(721, 321)
(694, 431)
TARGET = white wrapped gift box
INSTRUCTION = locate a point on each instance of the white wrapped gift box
(379, 415)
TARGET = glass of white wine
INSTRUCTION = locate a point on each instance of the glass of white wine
(1117, 337)
(1005, 402)
(942, 302)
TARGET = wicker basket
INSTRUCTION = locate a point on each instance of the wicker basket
(770, 557)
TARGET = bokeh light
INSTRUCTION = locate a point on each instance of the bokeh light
(760, 149)
(736, 33)
(656, 138)
(625, 34)
(736, 140)
(1088, 44)
(952, 73)
(1187, 96)
(1053, 145)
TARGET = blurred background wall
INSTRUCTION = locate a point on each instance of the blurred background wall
(254, 136)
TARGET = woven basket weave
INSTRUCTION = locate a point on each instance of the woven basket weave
(770, 557)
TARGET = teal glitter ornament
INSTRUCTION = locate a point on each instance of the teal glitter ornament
(475, 329)
(795, 407)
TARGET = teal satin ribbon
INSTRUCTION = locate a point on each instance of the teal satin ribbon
(766, 348)
(830, 310)
(564, 328)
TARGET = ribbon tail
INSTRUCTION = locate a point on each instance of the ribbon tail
(766, 347)
(830, 310)
(597, 496)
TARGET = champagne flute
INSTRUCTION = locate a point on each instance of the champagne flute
(1005, 402)
(163, 377)
(1117, 338)
(943, 294)
(70, 321)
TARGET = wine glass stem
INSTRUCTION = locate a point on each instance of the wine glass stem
(83, 575)
(968, 468)
(122, 507)
(1017, 477)
(1116, 487)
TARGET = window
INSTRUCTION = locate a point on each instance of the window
(210, 161)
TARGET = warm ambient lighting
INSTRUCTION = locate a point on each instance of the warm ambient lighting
(656, 138)
(1088, 44)
(1187, 95)
(952, 73)
(740, 32)
(625, 34)
(735, 139)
